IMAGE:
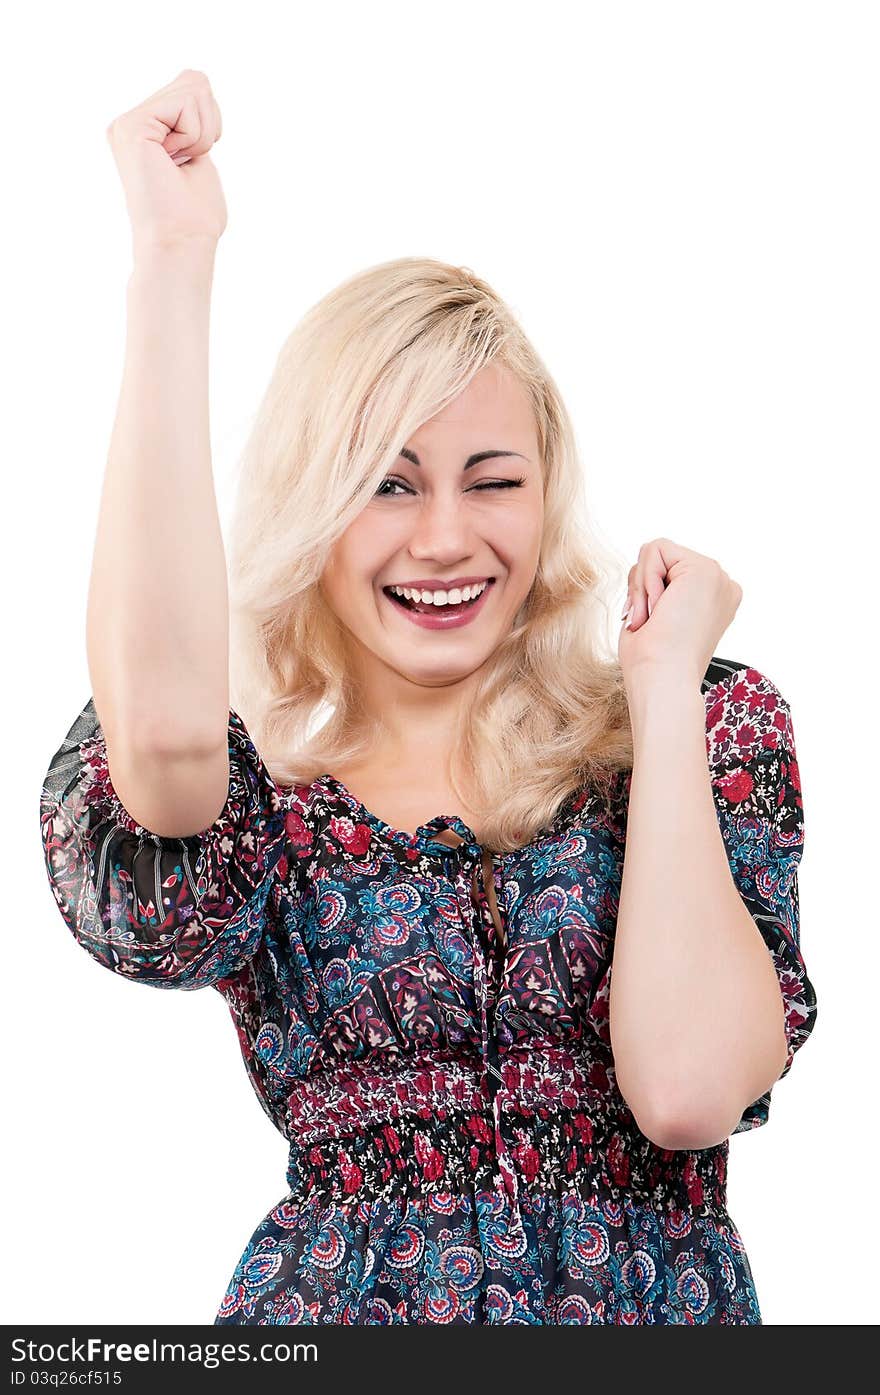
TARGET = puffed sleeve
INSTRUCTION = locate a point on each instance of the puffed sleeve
(169, 912)
(757, 792)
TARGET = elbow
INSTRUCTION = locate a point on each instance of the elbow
(673, 1123)
(703, 1114)
(682, 1110)
(687, 1131)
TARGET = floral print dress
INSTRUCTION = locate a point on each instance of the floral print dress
(427, 1025)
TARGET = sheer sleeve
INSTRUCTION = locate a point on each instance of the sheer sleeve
(169, 912)
(757, 792)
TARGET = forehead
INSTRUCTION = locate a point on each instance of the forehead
(494, 400)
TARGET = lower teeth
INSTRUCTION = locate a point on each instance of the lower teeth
(425, 608)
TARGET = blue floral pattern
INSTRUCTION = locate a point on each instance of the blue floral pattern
(458, 1148)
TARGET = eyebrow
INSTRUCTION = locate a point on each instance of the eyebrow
(471, 460)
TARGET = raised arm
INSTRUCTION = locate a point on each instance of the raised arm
(162, 827)
(157, 623)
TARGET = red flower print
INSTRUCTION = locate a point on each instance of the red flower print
(355, 838)
(736, 786)
(794, 774)
(693, 1183)
(597, 1077)
(351, 1174)
(510, 1074)
(296, 829)
(478, 1127)
(714, 713)
(618, 1162)
(392, 1138)
(584, 1126)
(529, 1160)
(746, 736)
(739, 691)
(429, 1159)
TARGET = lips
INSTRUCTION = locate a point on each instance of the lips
(439, 617)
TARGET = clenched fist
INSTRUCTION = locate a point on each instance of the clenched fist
(172, 189)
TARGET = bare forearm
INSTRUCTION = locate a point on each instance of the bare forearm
(696, 1011)
(157, 625)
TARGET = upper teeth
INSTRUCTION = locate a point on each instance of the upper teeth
(453, 597)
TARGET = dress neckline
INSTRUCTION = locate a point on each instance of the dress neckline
(424, 836)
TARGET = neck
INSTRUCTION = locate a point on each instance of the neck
(417, 721)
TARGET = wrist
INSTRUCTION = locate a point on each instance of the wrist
(190, 256)
(655, 695)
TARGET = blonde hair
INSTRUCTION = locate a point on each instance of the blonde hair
(364, 368)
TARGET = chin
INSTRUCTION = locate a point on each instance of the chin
(420, 668)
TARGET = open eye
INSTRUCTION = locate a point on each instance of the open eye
(394, 481)
(382, 493)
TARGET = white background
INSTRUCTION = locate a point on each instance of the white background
(680, 203)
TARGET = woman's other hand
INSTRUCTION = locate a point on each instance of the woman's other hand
(681, 603)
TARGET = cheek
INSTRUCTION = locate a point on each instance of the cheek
(352, 561)
(520, 541)
(367, 544)
(359, 557)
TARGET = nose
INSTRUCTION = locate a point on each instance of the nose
(441, 530)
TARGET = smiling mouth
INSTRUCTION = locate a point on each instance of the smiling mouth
(428, 608)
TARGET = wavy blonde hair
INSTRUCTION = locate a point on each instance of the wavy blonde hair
(364, 368)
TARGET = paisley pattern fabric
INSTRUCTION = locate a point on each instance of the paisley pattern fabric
(458, 1148)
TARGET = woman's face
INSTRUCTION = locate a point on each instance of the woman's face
(443, 518)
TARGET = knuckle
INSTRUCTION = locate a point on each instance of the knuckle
(117, 131)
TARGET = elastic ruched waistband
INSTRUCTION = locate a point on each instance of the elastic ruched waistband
(382, 1127)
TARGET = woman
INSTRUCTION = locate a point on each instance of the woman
(413, 907)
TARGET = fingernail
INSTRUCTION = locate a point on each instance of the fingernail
(650, 606)
(629, 615)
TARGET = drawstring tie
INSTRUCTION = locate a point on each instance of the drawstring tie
(487, 942)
